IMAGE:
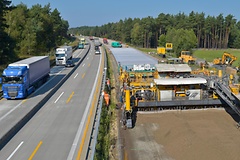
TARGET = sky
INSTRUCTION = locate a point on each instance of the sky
(99, 12)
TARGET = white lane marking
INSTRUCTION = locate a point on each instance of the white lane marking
(11, 155)
(80, 128)
(59, 97)
(87, 57)
(80, 53)
(10, 111)
(75, 75)
(83, 65)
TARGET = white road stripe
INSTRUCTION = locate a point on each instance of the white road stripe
(15, 151)
(59, 97)
(76, 76)
(80, 128)
(10, 111)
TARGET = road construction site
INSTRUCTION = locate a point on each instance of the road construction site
(170, 111)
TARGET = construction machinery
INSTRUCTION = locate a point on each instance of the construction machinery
(161, 51)
(187, 57)
(226, 59)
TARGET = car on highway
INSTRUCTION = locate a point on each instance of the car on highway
(97, 51)
(70, 63)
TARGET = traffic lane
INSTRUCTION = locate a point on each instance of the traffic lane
(8, 106)
(79, 53)
(45, 128)
(15, 113)
(12, 116)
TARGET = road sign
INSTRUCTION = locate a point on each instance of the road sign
(168, 46)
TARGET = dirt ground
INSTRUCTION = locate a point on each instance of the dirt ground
(183, 135)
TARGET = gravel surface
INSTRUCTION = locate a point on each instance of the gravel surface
(184, 135)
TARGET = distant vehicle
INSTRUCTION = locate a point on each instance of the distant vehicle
(97, 42)
(97, 48)
(116, 45)
(63, 54)
(82, 40)
(23, 77)
(105, 41)
(97, 51)
(80, 46)
(70, 63)
(91, 38)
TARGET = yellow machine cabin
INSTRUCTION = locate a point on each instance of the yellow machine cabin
(161, 51)
(187, 57)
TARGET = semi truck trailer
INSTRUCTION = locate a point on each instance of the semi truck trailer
(63, 54)
(23, 77)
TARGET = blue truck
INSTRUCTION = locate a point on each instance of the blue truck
(23, 77)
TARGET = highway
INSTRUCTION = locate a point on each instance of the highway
(56, 130)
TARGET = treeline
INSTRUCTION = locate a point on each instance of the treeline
(29, 31)
(210, 31)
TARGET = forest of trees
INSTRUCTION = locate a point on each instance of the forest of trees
(29, 31)
(37, 30)
(209, 31)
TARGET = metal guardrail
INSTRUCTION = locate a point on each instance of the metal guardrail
(94, 133)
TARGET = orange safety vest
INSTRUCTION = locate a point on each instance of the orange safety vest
(106, 98)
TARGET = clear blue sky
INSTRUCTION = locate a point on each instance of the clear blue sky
(98, 12)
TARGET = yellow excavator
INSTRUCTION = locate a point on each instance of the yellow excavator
(227, 59)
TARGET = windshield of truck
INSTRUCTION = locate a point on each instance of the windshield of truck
(12, 79)
(60, 55)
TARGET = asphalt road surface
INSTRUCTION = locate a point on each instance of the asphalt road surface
(55, 130)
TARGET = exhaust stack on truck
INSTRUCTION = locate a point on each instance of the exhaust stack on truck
(21, 78)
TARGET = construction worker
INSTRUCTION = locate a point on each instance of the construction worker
(108, 84)
(106, 98)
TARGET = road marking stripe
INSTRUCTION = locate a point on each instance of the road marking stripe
(10, 111)
(35, 151)
(89, 118)
(83, 75)
(58, 97)
(76, 76)
(85, 130)
(83, 65)
(70, 97)
(11, 155)
(84, 118)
